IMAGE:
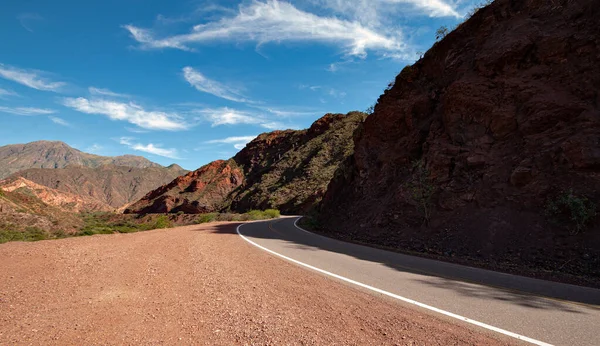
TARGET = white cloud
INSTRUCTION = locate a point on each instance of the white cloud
(276, 125)
(130, 112)
(228, 116)
(153, 149)
(94, 148)
(59, 121)
(434, 8)
(26, 111)
(238, 142)
(204, 84)
(27, 20)
(325, 90)
(373, 12)
(229, 140)
(275, 21)
(126, 140)
(150, 148)
(311, 87)
(290, 112)
(336, 93)
(5, 92)
(136, 130)
(106, 92)
(30, 78)
(333, 67)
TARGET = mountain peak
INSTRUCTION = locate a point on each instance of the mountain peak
(57, 154)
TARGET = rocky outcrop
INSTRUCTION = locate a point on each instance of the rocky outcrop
(65, 201)
(287, 170)
(25, 205)
(497, 118)
(290, 170)
(201, 191)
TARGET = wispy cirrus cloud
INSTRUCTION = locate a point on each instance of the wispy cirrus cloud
(130, 112)
(274, 21)
(59, 121)
(229, 116)
(26, 111)
(28, 20)
(5, 92)
(332, 92)
(431, 8)
(106, 92)
(380, 13)
(94, 148)
(291, 111)
(32, 78)
(238, 142)
(204, 84)
(150, 148)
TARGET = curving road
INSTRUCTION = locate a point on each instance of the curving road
(535, 311)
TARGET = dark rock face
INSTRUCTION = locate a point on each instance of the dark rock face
(503, 113)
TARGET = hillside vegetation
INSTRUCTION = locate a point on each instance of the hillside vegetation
(25, 217)
(285, 170)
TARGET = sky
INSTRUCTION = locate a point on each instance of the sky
(192, 81)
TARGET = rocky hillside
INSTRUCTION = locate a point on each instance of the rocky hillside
(201, 191)
(110, 185)
(488, 147)
(65, 201)
(287, 170)
(21, 210)
(47, 154)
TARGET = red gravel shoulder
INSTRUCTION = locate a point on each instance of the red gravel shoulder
(194, 285)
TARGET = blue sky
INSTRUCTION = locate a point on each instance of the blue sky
(192, 81)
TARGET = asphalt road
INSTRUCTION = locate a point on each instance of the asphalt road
(512, 303)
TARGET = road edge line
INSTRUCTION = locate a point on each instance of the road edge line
(395, 296)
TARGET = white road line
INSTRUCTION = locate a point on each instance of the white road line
(395, 296)
(300, 228)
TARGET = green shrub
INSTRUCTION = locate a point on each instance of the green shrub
(226, 217)
(575, 212)
(371, 109)
(29, 234)
(253, 215)
(204, 218)
(477, 7)
(181, 212)
(162, 222)
(59, 234)
(272, 213)
(441, 32)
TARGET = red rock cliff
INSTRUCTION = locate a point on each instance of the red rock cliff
(503, 114)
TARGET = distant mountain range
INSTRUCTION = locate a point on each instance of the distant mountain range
(104, 183)
(54, 154)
